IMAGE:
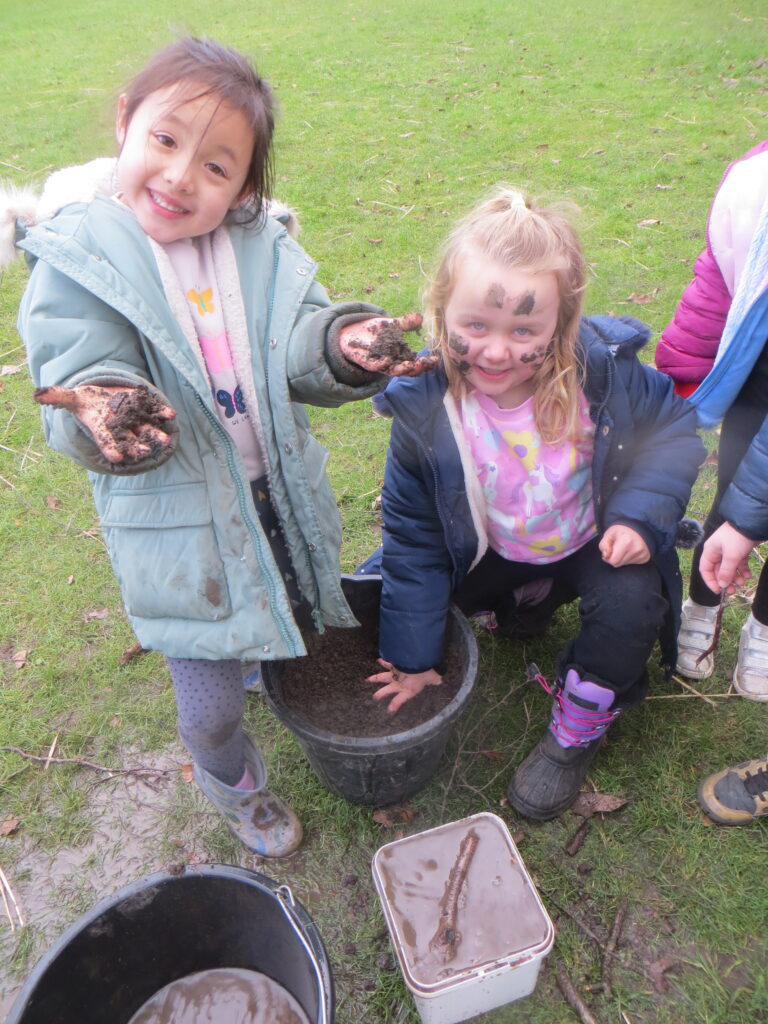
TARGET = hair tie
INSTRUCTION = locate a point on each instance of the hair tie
(517, 201)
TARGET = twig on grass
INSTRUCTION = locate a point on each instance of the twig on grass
(687, 696)
(576, 841)
(694, 692)
(47, 764)
(610, 948)
(11, 908)
(718, 626)
(111, 772)
(573, 998)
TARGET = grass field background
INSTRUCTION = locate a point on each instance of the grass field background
(394, 119)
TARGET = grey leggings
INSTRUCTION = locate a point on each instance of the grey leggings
(210, 701)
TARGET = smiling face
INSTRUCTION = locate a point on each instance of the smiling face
(499, 322)
(183, 161)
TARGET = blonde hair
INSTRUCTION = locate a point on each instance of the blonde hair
(510, 229)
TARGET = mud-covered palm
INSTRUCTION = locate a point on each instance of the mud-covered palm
(378, 345)
(126, 423)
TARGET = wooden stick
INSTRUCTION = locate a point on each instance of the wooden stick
(86, 764)
(50, 753)
(573, 998)
(610, 947)
(5, 886)
(694, 691)
(576, 841)
(446, 939)
(718, 626)
(686, 696)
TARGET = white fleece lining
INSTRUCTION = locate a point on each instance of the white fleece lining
(233, 313)
(475, 495)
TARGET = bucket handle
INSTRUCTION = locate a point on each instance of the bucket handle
(285, 894)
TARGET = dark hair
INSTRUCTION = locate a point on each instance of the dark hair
(226, 73)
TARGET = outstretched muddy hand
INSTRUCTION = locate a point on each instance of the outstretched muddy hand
(126, 423)
(379, 345)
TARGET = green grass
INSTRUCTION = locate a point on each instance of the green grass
(394, 119)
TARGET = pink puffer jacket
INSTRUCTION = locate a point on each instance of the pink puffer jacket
(688, 345)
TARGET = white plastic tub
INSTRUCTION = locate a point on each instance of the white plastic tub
(466, 922)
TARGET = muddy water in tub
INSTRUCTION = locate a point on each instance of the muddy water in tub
(222, 996)
(459, 899)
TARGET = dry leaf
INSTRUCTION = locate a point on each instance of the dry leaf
(394, 815)
(7, 370)
(19, 658)
(52, 501)
(587, 804)
(70, 580)
(96, 613)
(647, 223)
(642, 298)
(115, 721)
(130, 653)
(657, 971)
(187, 772)
(518, 836)
(9, 826)
(492, 755)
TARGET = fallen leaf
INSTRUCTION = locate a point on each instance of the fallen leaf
(374, 241)
(52, 502)
(7, 370)
(70, 580)
(665, 187)
(187, 772)
(492, 755)
(394, 815)
(641, 298)
(711, 460)
(19, 658)
(658, 969)
(9, 826)
(647, 223)
(518, 836)
(96, 613)
(587, 804)
(130, 653)
(115, 721)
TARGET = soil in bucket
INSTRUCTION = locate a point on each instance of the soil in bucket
(334, 695)
(356, 748)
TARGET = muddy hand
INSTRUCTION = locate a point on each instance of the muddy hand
(126, 423)
(401, 686)
(378, 345)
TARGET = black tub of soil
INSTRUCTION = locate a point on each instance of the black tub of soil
(357, 748)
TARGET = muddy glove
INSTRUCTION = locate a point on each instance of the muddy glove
(127, 423)
(378, 345)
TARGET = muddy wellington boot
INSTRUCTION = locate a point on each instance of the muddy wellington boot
(550, 778)
(259, 819)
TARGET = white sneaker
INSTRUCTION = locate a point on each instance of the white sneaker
(750, 677)
(697, 631)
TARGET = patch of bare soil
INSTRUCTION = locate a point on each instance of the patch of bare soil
(130, 839)
(329, 688)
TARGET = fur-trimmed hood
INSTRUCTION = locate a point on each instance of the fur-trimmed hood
(23, 208)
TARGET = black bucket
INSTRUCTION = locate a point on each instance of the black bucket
(164, 927)
(378, 770)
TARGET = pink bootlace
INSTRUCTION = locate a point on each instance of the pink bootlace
(592, 723)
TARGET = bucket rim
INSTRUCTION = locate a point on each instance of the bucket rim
(382, 743)
(292, 909)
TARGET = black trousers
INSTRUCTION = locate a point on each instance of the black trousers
(621, 612)
(740, 424)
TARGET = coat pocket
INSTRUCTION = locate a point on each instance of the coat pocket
(163, 547)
